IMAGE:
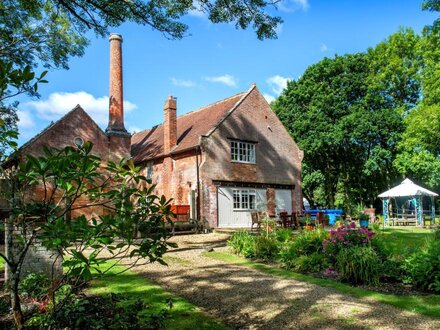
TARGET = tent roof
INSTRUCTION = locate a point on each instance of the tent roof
(407, 189)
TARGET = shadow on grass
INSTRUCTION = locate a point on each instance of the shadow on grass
(182, 315)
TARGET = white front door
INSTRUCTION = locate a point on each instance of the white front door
(235, 205)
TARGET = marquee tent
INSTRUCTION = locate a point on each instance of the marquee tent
(409, 191)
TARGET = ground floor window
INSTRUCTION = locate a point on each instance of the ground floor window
(244, 199)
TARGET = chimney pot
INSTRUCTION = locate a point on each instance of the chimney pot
(116, 98)
(170, 124)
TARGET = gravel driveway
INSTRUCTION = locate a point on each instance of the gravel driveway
(244, 298)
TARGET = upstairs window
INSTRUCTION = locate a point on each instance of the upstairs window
(244, 199)
(243, 152)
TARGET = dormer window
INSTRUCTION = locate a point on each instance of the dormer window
(243, 152)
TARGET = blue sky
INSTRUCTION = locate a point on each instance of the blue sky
(215, 62)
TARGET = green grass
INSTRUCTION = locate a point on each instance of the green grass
(133, 286)
(428, 305)
(403, 241)
(2, 264)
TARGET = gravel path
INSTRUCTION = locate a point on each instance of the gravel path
(244, 298)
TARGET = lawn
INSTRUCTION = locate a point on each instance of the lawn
(182, 315)
(402, 241)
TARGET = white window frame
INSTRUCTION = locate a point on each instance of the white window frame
(243, 152)
(244, 199)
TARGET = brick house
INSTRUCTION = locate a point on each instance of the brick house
(224, 160)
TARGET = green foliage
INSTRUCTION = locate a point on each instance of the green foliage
(242, 243)
(284, 235)
(65, 177)
(346, 113)
(310, 263)
(266, 248)
(35, 285)
(305, 243)
(359, 265)
(49, 32)
(104, 312)
(423, 267)
(393, 269)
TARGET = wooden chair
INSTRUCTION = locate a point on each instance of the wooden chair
(286, 220)
(255, 220)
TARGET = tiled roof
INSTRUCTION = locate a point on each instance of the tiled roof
(148, 144)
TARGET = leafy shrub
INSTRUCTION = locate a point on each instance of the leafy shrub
(284, 235)
(35, 285)
(345, 237)
(266, 247)
(242, 243)
(99, 312)
(423, 267)
(359, 265)
(305, 243)
(393, 269)
(311, 263)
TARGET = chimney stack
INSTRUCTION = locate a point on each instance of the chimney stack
(169, 125)
(116, 99)
(118, 137)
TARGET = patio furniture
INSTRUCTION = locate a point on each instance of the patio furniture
(256, 219)
(286, 220)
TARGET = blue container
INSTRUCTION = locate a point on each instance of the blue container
(364, 223)
(332, 214)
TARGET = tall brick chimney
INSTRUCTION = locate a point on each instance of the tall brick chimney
(169, 125)
(119, 138)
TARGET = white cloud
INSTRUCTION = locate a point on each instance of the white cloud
(323, 48)
(293, 5)
(25, 120)
(182, 82)
(269, 98)
(277, 83)
(59, 103)
(225, 79)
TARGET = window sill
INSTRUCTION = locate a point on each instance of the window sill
(247, 163)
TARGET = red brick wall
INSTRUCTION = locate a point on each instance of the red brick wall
(278, 158)
(175, 177)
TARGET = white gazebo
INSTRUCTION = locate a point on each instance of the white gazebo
(408, 190)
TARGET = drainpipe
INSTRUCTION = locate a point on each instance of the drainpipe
(198, 151)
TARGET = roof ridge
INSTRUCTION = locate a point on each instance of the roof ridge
(196, 110)
(211, 104)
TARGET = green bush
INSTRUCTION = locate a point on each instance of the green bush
(96, 312)
(305, 243)
(312, 263)
(393, 269)
(359, 265)
(266, 248)
(284, 235)
(242, 243)
(423, 267)
(35, 285)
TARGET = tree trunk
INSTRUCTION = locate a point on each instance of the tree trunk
(15, 299)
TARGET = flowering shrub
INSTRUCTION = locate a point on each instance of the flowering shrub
(345, 237)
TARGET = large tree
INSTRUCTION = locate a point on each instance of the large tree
(419, 155)
(346, 113)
